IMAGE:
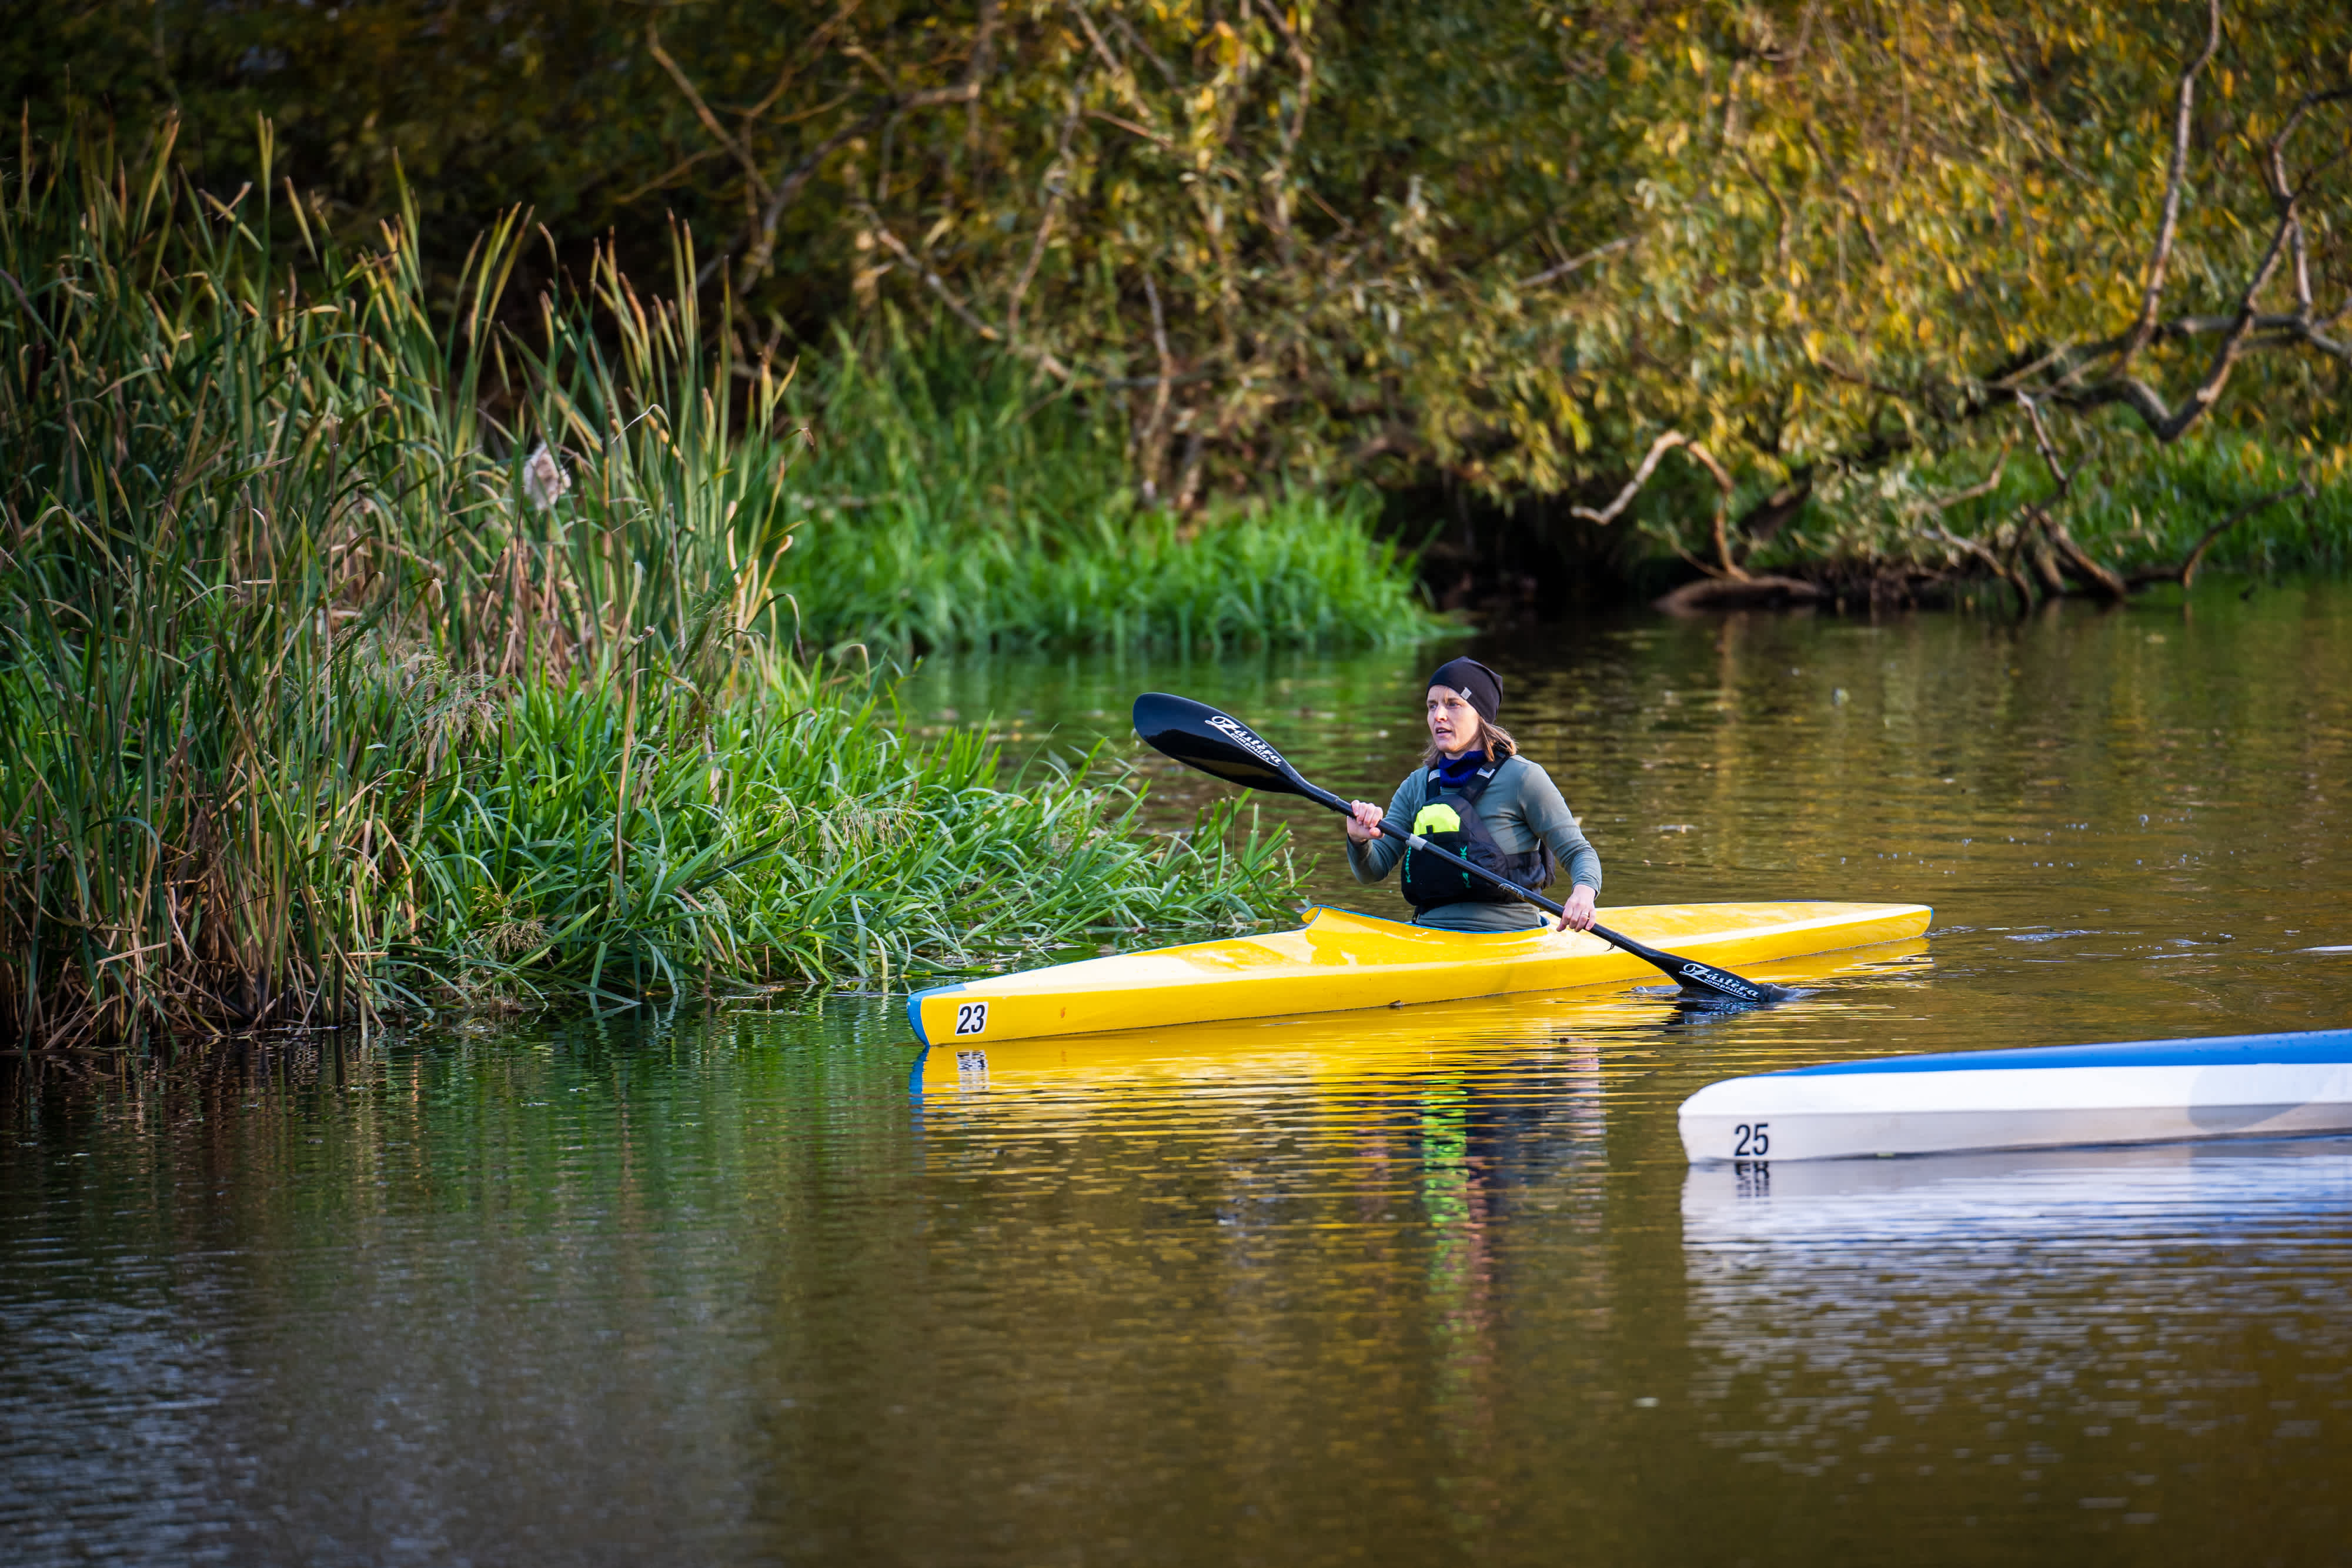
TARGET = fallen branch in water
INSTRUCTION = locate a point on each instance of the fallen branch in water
(2185, 572)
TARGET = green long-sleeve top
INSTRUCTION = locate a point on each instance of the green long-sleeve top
(1520, 806)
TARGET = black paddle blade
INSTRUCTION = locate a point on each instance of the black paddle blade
(1705, 980)
(1223, 747)
(1700, 979)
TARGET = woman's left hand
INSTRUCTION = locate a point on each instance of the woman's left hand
(1578, 916)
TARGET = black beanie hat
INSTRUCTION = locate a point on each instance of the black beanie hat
(1475, 681)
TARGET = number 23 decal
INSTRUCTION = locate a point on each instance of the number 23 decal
(971, 1018)
(1750, 1143)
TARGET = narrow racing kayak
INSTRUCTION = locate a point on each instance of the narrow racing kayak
(2141, 1092)
(1338, 960)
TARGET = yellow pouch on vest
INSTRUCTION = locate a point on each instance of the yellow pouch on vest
(1437, 817)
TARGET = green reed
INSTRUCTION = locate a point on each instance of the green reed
(791, 840)
(326, 689)
(950, 501)
(2154, 511)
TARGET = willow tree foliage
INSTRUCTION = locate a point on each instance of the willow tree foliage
(1556, 250)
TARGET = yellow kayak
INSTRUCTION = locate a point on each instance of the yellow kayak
(1339, 960)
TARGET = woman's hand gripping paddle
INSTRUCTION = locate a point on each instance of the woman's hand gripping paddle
(1198, 736)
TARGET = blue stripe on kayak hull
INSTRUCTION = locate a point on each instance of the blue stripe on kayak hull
(915, 1009)
(2314, 1046)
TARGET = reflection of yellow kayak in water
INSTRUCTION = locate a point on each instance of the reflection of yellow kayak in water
(1360, 1046)
(1339, 960)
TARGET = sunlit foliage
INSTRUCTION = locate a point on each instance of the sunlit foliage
(1526, 245)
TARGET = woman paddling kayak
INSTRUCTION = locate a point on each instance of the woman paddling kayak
(1475, 795)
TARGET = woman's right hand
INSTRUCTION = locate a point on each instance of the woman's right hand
(1363, 821)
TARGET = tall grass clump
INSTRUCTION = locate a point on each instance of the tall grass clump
(792, 838)
(949, 503)
(357, 651)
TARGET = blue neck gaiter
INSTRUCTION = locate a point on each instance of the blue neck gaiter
(1455, 773)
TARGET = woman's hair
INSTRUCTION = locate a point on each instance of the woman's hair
(1493, 738)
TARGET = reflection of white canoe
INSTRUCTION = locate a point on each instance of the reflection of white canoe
(1857, 1209)
(2249, 1085)
(1830, 1300)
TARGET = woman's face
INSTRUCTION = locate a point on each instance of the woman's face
(1453, 722)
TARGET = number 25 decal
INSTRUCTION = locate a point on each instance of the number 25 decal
(1750, 1143)
(972, 1016)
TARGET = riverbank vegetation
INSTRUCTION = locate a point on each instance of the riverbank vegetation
(1891, 297)
(2225, 500)
(1934, 532)
(946, 502)
(355, 657)
(396, 608)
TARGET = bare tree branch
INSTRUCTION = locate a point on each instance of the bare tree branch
(1057, 184)
(2071, 375)
(1649, 465)
(2059, 472)
(2079, 563)
(2176, 176)
(1148, 445)
(1129, 126)
(1126, 30)
(808, 50)
(2185, 572)
(757, 236)
(1117, 67)
(718, 134)
(2000, 568)
(762, 240)
(1991, 482)
(1722, 508)
(1277, 178)
(1553, 273)
(1042, 358)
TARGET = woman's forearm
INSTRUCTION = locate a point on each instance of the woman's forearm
(1371, 862)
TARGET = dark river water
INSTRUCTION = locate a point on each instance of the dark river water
(1430, 1285)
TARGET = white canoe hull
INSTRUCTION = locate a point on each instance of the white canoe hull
(2242, 1086)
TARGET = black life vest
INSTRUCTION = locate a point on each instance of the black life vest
(1451, 821)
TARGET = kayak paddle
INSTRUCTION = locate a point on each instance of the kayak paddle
(1198, 736)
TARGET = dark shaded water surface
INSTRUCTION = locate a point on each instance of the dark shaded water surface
(1431, 1286)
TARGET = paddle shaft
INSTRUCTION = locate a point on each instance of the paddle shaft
(1690, 971)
